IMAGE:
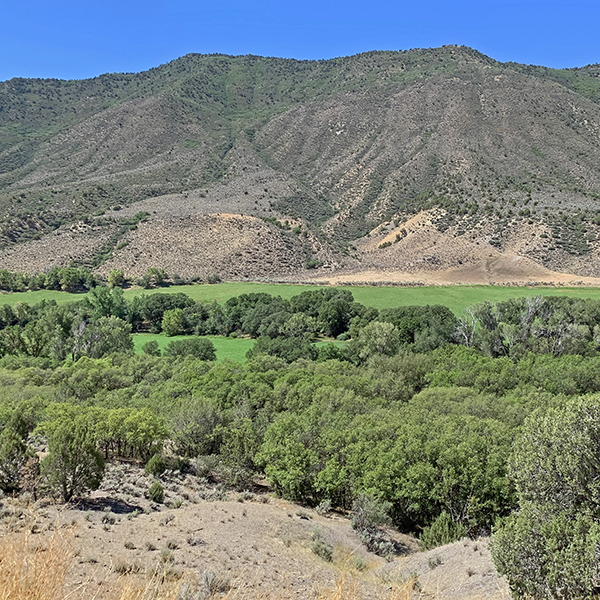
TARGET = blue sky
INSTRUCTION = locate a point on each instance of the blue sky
(73, 39)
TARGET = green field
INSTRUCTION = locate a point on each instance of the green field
(456, 297)
(232, 348)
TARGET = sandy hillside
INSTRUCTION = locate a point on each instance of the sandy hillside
(255, 545)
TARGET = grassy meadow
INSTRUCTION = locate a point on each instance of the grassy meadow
(231, 348)
(456, 297)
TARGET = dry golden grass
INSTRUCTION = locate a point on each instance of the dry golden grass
(34, 572)
(154, 590)
(37, 571)
(346, 588)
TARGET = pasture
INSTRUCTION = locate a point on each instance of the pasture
(227, 348)
(455, 297)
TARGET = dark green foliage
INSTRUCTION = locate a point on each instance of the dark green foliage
(65, 279)
(544, 325)
(13, 456)
(442, 531)
(196, 428)
(548, 548)
(547, 556)
(289, 349)
(422, 328)
(148, 310)
(151, 348)
(156, 492)
(155, 466)
(375, 338)
(74, 464)
(198, 347)
(313, 263)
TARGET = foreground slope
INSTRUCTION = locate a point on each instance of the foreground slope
(257, 546)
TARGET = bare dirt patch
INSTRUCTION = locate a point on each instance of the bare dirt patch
(256, 545)
(234, 246)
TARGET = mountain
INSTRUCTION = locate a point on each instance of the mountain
(396, 164)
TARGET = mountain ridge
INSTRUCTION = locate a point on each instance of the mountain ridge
(348, 144)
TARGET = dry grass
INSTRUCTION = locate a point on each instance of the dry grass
(34, 572)
(37, 571)
(154, 590)
(346, 588)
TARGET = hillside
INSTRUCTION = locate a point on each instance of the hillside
(499, 159)
(255, 545)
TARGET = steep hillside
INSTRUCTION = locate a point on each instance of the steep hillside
(503, 157)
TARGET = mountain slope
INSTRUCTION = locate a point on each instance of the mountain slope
(338, 147)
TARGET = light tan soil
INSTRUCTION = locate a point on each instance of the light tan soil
(259, 544)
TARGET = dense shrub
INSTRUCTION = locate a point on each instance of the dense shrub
(549, 547)
(201, 348)
(155, 466)
(442, 531)
(156, 493)
(74, 464)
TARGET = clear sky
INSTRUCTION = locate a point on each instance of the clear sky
(83, 38)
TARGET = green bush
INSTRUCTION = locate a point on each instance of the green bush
(197, 347)
(156, 493)
(151, 348)
(442, 531)
(549, 548)
(13, 456)
(548, 556)
(313, 263)
(155, 466)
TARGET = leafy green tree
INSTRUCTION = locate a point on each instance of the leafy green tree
(151, 348)
(172, 322)
(157, 276)
(151, 308)
(290, 349)
(198, 347)
(299, 325)
(106, 302)
(335, 316)
(96, 338)
(422, 328)
(290, 462)
(375, 338)
(116, 278)
(195, 428)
